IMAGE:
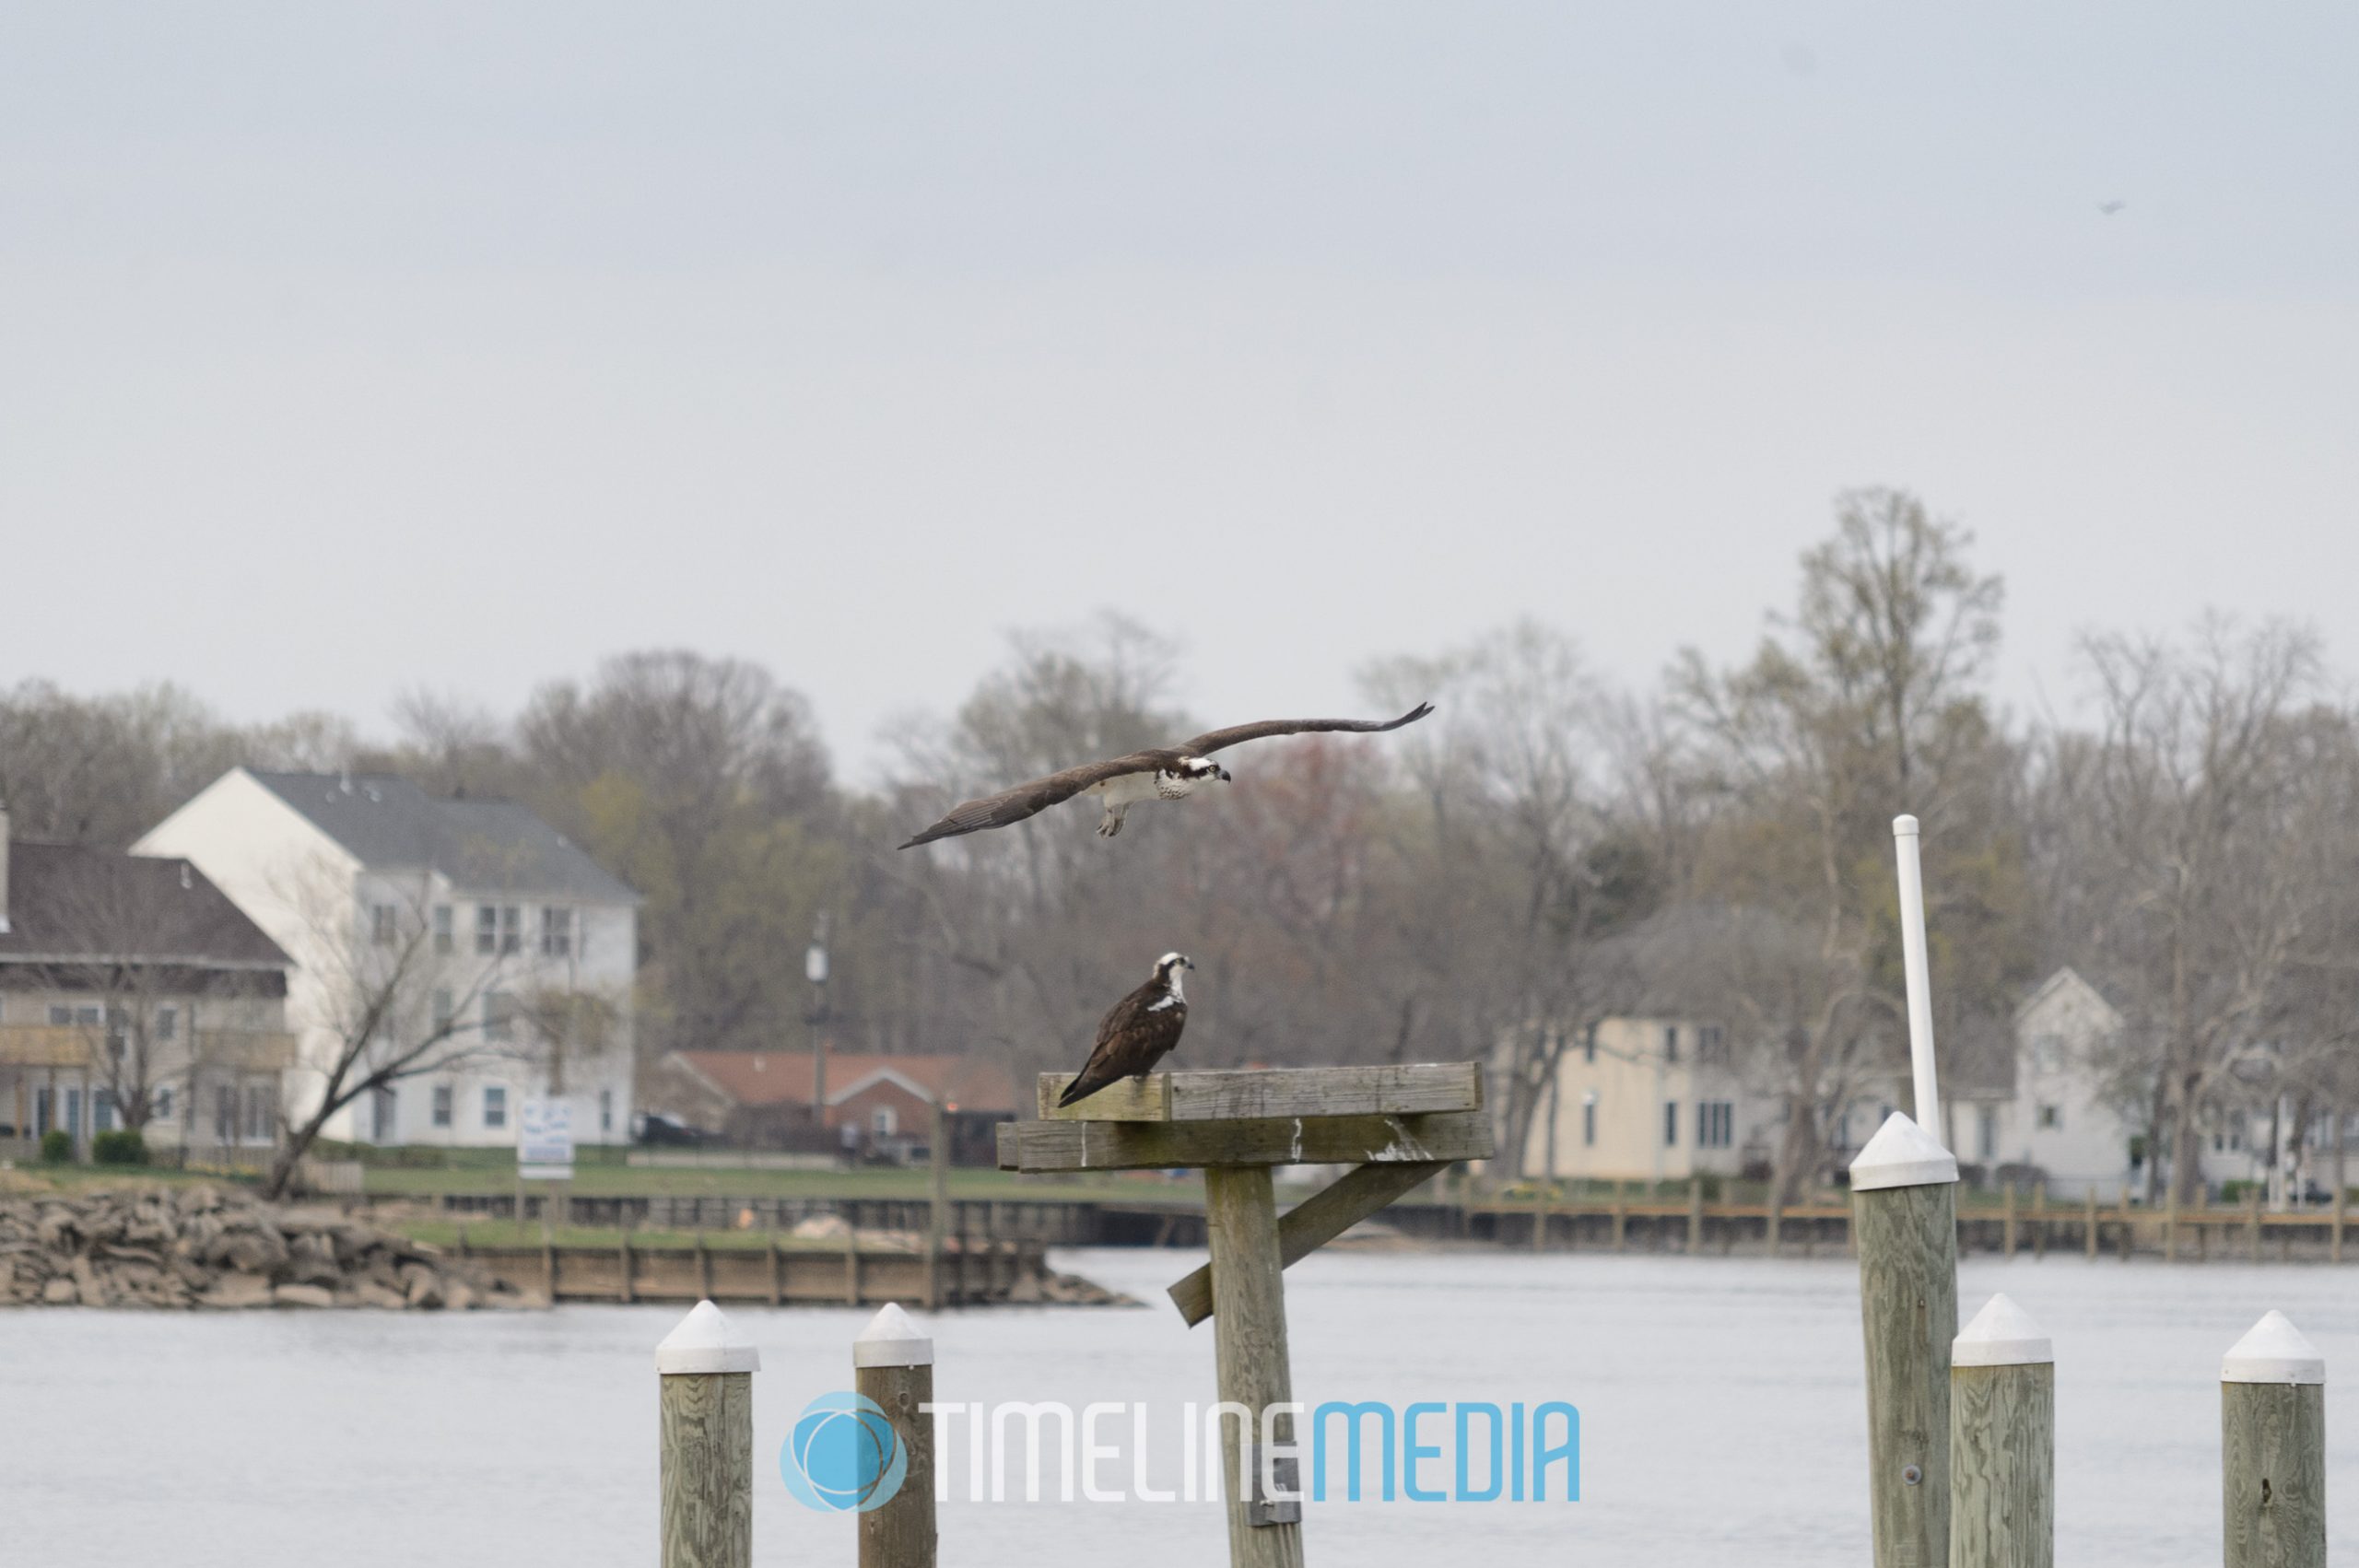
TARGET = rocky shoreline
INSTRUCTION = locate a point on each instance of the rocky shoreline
(201, 1248)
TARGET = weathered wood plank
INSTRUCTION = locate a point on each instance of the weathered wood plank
(1401, 1089)
(902, 1533)
(1290, 1141)
(1129, 1099)
(1313, 1222)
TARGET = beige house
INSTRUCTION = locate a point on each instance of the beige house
(133, 991)
(1646, 1099)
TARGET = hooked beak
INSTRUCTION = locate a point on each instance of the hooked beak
(1189, 963)
(1226, 779)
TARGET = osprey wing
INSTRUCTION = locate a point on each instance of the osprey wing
(1031, 799)
(1211, 740)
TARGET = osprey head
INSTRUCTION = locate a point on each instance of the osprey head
(1202, 770)
(1168, 967)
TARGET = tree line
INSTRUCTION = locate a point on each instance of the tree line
(1546, 851)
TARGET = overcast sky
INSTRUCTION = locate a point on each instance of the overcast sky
(346, 349)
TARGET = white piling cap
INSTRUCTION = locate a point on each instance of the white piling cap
(2001, 1334)
(891, 1338)
(2275, 1352)
(706, 1342)
(1904, 826)
(1902, 1154)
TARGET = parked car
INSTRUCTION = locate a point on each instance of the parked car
(655, 1130)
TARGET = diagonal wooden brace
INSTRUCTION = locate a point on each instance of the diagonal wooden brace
(1315, 1221)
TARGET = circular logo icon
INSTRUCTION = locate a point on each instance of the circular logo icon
(843, 1455)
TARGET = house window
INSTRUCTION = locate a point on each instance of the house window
(443, 1011)
(382, 1108)
(557, 932)
(442, 1104)
(1671, 1124)
(168, 1023)
(884, 1122)
(162, 1110)
(2051, 1118)
(103, 1110)
(74, 1112)
(498, 1015)
(487, 929)
(1711, 1043)
(605, 1110)
(511, 928)
(442, 938)
(224, 1114)
(258, 1113)
(1589, 1121)
(1588, 1045)
(495, 1104)
(1715, 1124)
(383, 925)
(1986, 1132)
(1670, 1043)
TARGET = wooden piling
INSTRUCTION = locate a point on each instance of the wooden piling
(2341, 1198)
(1621, 1218)
(2003, 1441)
(623, 1290)
(2007, 1227)
(1540, 1221)
(1903, 1207)
(706, 1424)
(2273, 1449)
(2170, 1221)
(937, 1205)
(2040, 1220)
(2089, 1224)
(893, 1366)
(777, 1290)
(1694, 1215)
(1776, 1215)
(1250, 1332)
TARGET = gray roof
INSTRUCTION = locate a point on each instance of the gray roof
(78, 903)
(389, 822)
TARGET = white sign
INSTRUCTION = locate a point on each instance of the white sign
(544, 1141)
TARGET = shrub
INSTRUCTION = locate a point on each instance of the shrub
(56, 1146)
(124, 1148)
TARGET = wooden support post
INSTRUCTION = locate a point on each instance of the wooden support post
(2089, 1224)
(1540, 1221)
(2273, 1449)
(2341, 1198)
(1621, 1217)
(1694, 1215)
(1249, 1298)
(937, 1212)
(2007, 1226)
(706, 1418)
(851, 1268)
(623, 1290)
(2003, 1441)
(1904, 1203)
(1776, 1215)
(704, 1268)
(2040, 1220)
(777, 1285)
(2252, 1223)
(2170, 1221)
(893, 1366)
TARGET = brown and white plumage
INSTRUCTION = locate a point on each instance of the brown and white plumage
(1137, 1032)
(1168, 773)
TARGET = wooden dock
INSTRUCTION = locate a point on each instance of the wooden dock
(856, 1275)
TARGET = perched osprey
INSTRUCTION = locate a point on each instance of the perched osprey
(1163, 773)
(1138, 1033)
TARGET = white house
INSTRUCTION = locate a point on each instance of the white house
(473, 921)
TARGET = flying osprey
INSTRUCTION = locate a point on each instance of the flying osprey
(1162, 772)
(1139, 1032)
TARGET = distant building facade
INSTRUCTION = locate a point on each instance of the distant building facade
(877, 1106)
(528, 948)
(132, 986)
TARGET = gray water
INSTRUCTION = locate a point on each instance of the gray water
(1720, 1406)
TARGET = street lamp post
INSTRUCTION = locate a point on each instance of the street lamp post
(815, 969)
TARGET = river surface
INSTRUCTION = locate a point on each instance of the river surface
(1720, 1404)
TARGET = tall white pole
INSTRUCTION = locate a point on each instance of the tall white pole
(1920, 994)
